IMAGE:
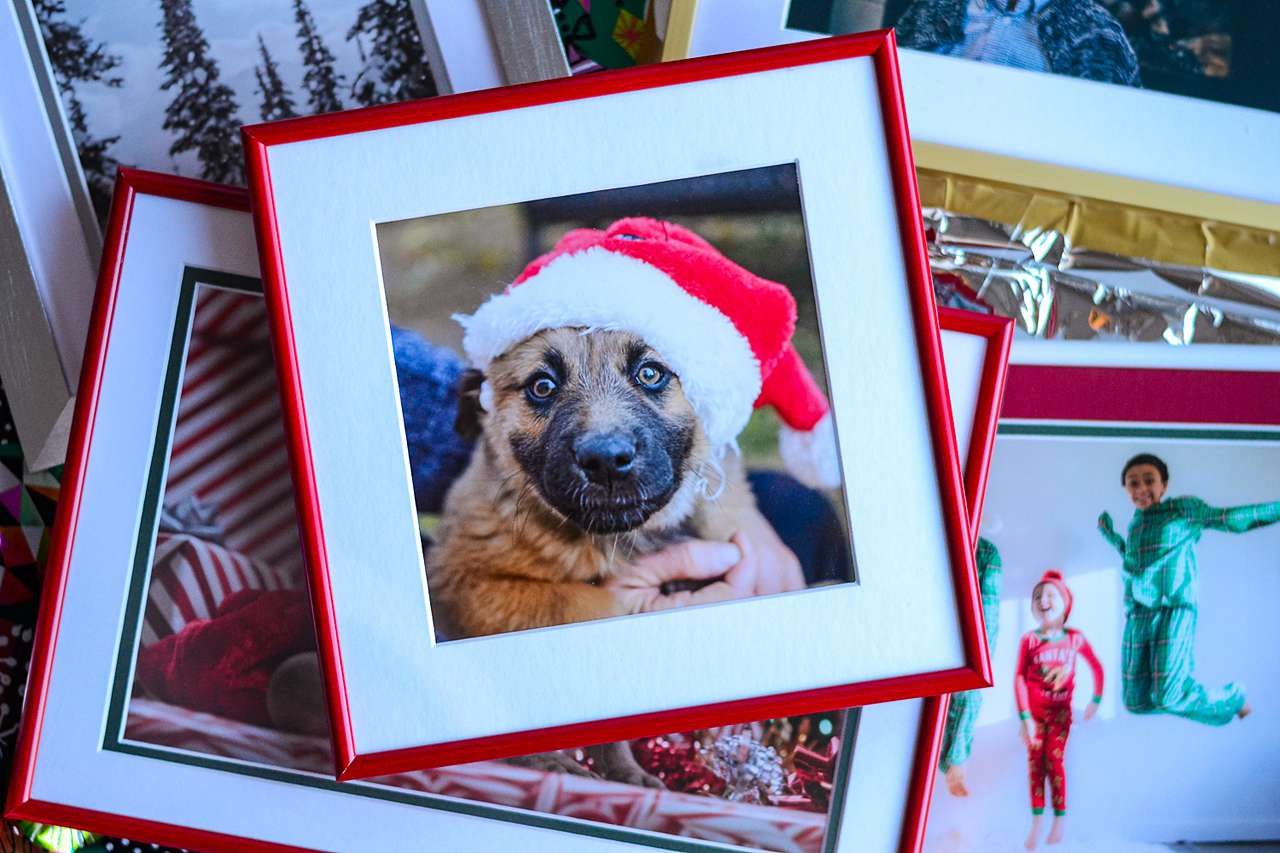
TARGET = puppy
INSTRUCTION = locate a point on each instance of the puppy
(588, 456)
(618, 369)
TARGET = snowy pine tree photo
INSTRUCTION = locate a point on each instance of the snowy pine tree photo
(221, 63)
(394, 65)
(321, 79)
(75, 58)
(202, 114)
(275, 101)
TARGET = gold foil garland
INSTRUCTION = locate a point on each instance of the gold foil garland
(1075, 268)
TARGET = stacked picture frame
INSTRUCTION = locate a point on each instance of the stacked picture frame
(217, 400)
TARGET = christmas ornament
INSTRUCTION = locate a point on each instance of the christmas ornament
(751, 770)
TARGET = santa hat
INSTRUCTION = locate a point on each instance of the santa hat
(1053, 576)
(724, 331)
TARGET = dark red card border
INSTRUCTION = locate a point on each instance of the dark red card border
(1158, 394)
(881, 48)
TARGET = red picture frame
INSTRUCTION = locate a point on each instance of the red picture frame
(998, 332)
(23, 805)
(20, 803)
(260, 140)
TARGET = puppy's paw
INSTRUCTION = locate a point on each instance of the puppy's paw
(637, 776)
(552, 762)
(295, 696)
(616, 763)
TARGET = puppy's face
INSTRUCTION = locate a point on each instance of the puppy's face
(598, 424)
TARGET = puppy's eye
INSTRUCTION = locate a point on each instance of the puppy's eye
(652, 376)
(541, 388)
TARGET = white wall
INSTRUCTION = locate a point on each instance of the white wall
(1130, 778)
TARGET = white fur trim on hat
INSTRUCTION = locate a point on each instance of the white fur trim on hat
(812, 457)
(599, 289)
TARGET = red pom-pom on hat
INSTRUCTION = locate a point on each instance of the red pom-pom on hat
(725, 331)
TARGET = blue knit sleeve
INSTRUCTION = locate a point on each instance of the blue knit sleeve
(428, 376)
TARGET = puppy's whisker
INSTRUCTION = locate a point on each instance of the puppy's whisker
(505, 482)
(613, 553)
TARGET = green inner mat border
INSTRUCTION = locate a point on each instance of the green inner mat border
(130, 636)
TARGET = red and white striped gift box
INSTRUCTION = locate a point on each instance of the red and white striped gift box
(190, 578)
(229, 446)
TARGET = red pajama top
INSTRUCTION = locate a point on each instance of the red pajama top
(1046, 673)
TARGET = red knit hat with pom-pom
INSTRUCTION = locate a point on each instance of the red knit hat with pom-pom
(725, 331)
(1053, 576)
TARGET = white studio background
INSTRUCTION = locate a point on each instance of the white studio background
(1129, 778)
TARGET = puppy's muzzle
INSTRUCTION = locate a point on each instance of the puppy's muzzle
(605, 458)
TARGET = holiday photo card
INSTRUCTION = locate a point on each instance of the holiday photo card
(220, 672)
(1134, 510)
(667, 363)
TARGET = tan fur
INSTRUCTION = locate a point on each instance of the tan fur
(506, 560)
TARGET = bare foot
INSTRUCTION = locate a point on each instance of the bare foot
(1055, 830)
(955, 781)
(1245, 710)
(1033, 837)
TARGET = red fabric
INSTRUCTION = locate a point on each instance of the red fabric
(1045, 675)
(229, 445)
(793, 392)
(191, 577)
(1045, 761)
(762, 311)
(223, 665)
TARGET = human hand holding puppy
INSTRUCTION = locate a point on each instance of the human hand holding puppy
(754, 562)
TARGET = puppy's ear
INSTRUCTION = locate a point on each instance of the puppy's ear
(470, 420)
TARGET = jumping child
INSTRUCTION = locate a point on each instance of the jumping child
(962, 710)
(1160, 594)
(1043, 683)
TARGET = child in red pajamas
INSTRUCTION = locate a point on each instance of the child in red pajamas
(1043, 683)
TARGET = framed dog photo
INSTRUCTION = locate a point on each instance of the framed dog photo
(642, 395)
(175, 609)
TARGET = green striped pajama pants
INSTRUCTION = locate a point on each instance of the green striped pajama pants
(957, 737)
(1159, 668)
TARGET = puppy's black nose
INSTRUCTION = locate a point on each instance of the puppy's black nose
(606, 457)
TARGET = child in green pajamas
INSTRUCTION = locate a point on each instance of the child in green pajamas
(962, 712)
(1158, 654)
